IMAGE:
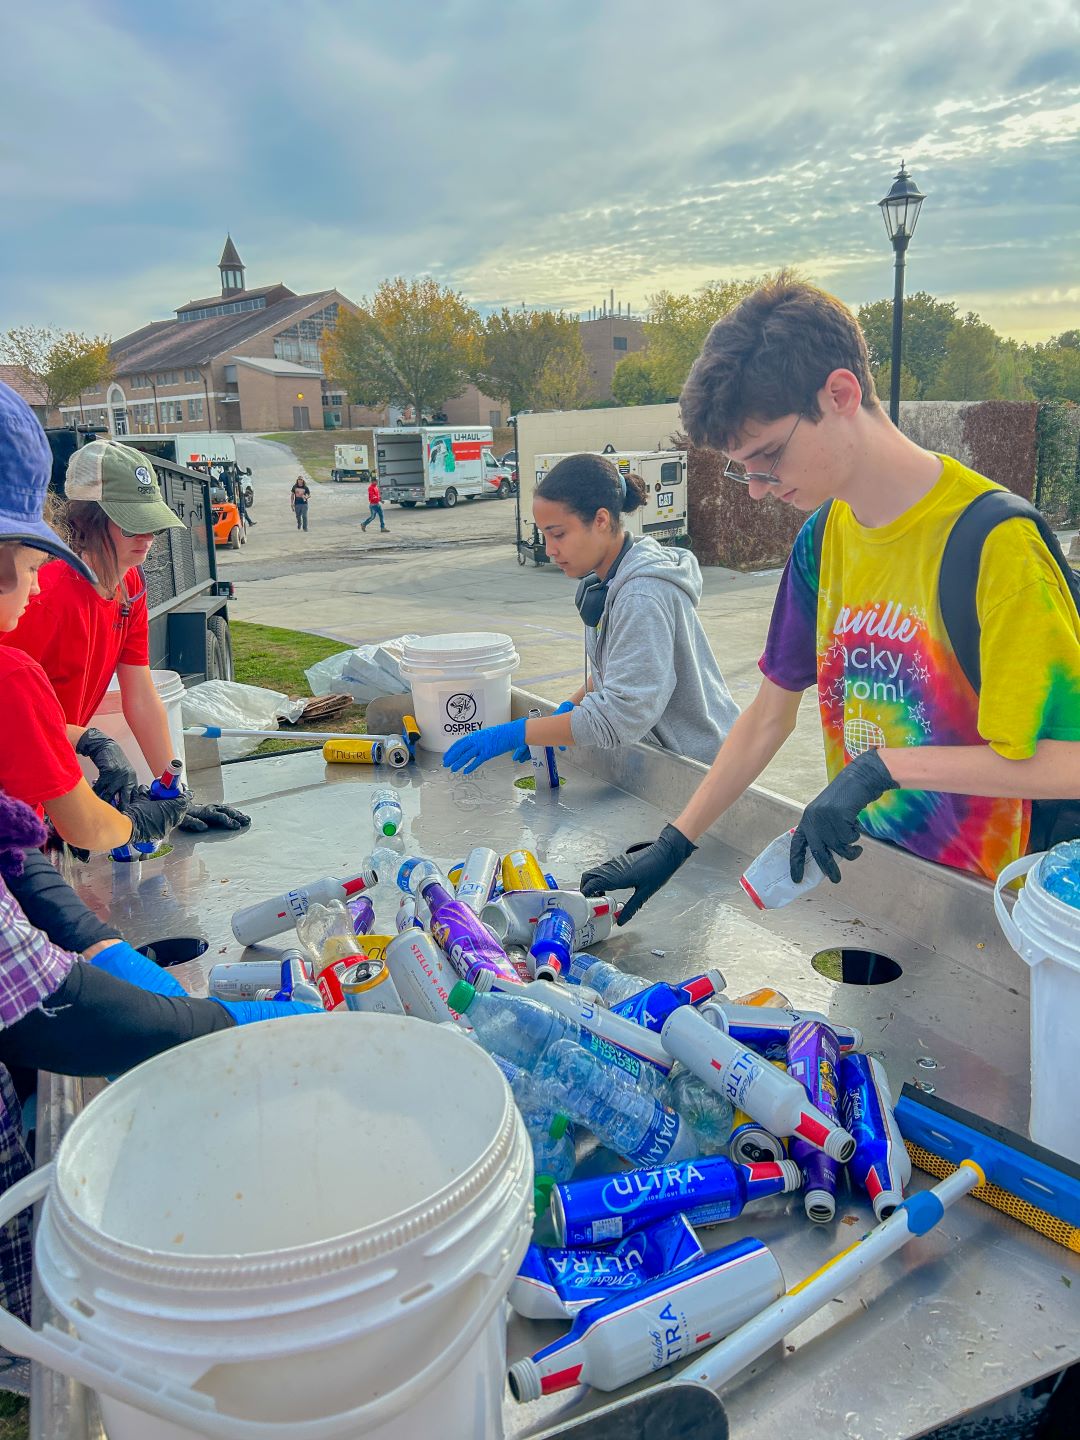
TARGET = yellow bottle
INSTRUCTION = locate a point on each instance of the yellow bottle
(521, 871)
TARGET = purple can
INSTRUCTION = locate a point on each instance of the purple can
(435, 894)
(470, 945)
(813, 1058)
(361, 913)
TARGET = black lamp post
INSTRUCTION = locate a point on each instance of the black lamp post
(900, 211)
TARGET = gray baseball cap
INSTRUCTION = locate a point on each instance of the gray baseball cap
(123, 483)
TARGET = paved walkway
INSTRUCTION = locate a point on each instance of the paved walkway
(441, 570)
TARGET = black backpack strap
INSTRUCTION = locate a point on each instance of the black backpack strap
(819, 521)
(958, 578)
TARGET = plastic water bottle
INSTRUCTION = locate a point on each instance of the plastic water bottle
(1059, 871)
(767, 880)
(609, 982)
(633, 1124)
(709, 1116)
(550, 1133)
(521, 1028)
(385, 811)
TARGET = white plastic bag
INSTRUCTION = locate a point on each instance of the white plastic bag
(364, 673)
(234, 706)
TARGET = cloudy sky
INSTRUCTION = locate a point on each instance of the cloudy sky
(542, 152)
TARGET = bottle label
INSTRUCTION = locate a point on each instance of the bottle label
(297, 902)
(661, 1135)
(738, 1077)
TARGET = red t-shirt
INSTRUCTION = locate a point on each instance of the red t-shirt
(373, 496)
(37, 762)
(78, 638)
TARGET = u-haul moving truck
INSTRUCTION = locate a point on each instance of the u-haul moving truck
(664, 472)
(434, 464)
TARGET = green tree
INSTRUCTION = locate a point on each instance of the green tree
(1055, 368)
(970, 368)
(1014, 372)
(565, 382)
(928, 323)
(63, 363)
(634, 382)
(678, 324)
(413, 343)
(514, 348)
(909, 386)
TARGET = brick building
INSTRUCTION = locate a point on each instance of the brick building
(607, 340)
(246, 359)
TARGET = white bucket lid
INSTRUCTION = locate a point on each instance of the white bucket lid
(474, 647)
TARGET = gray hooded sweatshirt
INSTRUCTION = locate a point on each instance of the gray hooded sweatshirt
(654, 676)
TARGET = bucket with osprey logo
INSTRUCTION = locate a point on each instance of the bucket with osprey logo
(460, 682)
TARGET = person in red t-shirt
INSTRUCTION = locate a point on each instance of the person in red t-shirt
(374, 500)
(37, 762)
(81, 633)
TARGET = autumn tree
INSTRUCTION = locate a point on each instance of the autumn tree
(514, 349)
(62, 363)
(678, 324)
(634, 382)
(565, 383)
(413, 343)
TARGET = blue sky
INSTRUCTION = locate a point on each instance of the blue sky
(541, 152)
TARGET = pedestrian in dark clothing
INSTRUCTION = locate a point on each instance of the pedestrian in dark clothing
(299, 496)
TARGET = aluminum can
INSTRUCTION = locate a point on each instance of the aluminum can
(522, 871)
(475, 884)
(362, 751)
(328, 981)
(367, 986)
(422, 976)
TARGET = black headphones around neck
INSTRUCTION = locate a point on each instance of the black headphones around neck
(591, 596)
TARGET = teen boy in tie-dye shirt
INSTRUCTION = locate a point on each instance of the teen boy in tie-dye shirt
(914, 755)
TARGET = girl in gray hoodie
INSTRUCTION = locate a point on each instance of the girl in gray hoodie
(650, 673)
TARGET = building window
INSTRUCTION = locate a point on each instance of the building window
(300, 342)
(230, 375)
(618, 342)
(231, 307)
(329, 399)
(195, 375)
(194, 409)
(495, 418)
(168, 377)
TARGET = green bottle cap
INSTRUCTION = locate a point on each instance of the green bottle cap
(558, 1127)
(389, 828)
(542, 1188)
(461, 996)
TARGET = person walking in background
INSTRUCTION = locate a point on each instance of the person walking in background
(299, 496)
(374, 500)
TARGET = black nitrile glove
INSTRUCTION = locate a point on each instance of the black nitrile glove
(830, 823)
(153, 819)
(214, 817)
(116, 780)
(643, 869)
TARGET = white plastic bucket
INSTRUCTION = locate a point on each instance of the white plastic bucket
(110, 718)
(300, 1228)
(1045, 933)
(459, 683)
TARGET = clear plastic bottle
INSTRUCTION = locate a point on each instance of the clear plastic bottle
(386, 864)
(767, 880)
(709, 1116)
(522, 1028)
(609, 982)
(385, 811)
(633, 1124)
(550, 1131)
(326, 933)
(1059, 871)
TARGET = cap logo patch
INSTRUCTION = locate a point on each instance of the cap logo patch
(142, 474)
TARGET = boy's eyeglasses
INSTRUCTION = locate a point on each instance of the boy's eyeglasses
(734, 471)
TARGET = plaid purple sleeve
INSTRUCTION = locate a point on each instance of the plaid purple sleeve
(790, 657)
(31, 966)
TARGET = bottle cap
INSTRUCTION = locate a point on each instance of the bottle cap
(461, 996)
(820, 1206)
(559, 1127)
(389, 828)
(542, 1188)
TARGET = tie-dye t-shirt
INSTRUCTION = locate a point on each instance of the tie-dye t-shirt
(869, 633)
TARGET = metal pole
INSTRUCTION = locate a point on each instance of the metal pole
(900, 244)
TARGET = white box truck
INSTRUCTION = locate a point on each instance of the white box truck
(437, 465)
(663, 516)
(351, 463)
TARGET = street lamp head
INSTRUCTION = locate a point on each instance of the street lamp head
(900, 207)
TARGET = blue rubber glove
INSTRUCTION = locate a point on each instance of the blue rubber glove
(522, 756)
(127, 963)
(247, 1012)
(472, 750)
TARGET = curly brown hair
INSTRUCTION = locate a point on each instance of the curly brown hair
(769, 357)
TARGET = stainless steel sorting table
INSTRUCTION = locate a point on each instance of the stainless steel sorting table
(972, 1312)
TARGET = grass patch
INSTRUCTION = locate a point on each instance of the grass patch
(14, 1416)
(276, 659)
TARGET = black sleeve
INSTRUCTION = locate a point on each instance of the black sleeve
(95, 1024)
(49, 902)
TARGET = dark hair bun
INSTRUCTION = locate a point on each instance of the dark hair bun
(637, 492)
